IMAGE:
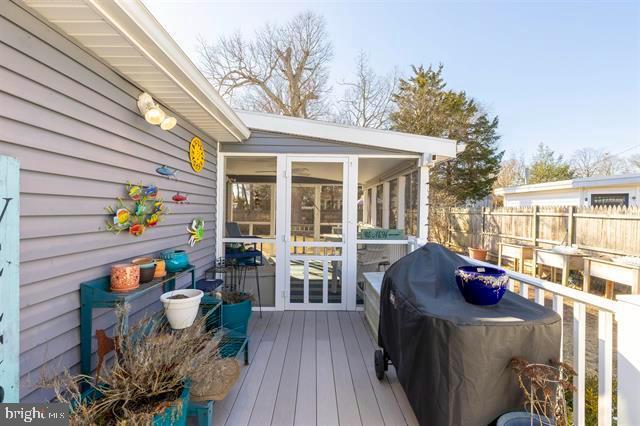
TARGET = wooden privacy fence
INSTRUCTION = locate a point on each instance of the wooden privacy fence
(606, 230)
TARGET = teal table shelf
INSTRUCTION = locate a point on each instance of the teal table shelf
(95, 294)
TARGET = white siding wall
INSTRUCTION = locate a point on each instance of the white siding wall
(569, 197)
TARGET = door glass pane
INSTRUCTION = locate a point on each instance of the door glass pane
(296, 281)
(334, 278)
(316, 280)
(316, 201)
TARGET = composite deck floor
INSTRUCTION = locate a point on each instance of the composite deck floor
(313, 368)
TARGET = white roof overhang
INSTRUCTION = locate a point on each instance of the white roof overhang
(125, 35)
(429, 149)
(591, 182)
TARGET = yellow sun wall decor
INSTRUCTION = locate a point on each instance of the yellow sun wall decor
(196, 154)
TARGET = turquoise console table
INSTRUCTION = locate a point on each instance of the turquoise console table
(95, 294)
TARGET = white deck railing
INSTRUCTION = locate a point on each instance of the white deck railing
(627, 314)
(581, 301)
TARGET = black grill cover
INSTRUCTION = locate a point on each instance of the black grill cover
(452, 358)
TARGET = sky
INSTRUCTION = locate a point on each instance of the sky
(563, 73)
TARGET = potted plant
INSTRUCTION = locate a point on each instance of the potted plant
(543, 387)
(236, 309)
(181, 306)
(148, 381)
(478, 253)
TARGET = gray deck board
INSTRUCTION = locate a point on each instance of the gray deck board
(313, 368)
(242, 407)
(306, 400)
(348, 412)
(396, 387)
(266, 400)
(389, 405)
(256, 331)
(367, 402)
(327, 406)
(285, 409)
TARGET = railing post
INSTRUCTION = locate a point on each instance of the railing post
(449, 213)
(534, 226)
(628, 316)
(482, 228)
(570, 226)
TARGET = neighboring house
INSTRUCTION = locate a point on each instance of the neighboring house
(585, 192)
(70, 77)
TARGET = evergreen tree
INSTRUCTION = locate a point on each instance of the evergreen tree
(548, 167)
(427, 107)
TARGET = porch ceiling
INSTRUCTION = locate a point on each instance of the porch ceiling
(124, 35)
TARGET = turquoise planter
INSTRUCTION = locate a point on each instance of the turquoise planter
(236, 316)
(171, 416)
(175, 260)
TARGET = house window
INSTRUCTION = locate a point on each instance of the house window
(379, 205)
(251, 207)
(393, 204)
(610, 200)
(411, 204)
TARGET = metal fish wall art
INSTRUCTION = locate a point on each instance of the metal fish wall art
(167, 172)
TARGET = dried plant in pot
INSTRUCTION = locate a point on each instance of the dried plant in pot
(543, 388)
(148, 382)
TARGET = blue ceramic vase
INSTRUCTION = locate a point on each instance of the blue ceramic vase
(481, 285)
(175, 260)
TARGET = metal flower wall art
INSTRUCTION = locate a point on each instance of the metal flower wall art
(196, 230)
(141, 211)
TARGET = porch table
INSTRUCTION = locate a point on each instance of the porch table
(611, 272)
(518, 253)
(566, 262)
(96, 294)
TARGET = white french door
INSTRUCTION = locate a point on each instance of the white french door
(316, 232)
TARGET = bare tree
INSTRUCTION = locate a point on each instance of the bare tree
(283, 70)
(633, 163)
(367, 101)
(587, 162)
(512, 173)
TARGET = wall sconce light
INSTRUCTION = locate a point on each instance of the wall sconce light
(168, 123)
(153, 113)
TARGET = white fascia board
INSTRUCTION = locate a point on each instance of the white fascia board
(134, 21)
(425, 146)
(591, 182)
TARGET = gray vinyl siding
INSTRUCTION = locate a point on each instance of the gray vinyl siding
(74, 126)
(279, 143)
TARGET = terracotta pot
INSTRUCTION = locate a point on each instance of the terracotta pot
(125, 277)
(477, 253)
(161, 271)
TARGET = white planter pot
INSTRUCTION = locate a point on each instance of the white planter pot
(181, 312)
